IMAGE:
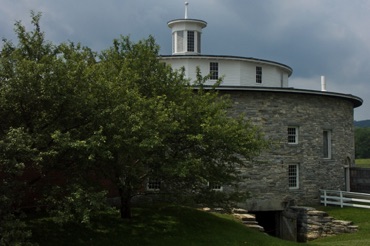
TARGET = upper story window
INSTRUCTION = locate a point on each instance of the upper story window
(292, 135)
(259, 75)
(213, 70)
(293, 176)
(326, 144)
(191, 41)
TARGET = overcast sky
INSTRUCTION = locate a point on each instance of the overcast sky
(314, 37)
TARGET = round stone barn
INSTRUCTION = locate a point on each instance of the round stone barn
(311, 132)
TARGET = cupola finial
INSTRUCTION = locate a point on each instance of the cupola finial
(186, 35)
(186, 10)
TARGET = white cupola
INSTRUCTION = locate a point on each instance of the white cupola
(186, 35)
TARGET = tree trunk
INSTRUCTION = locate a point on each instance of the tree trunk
(125, 209)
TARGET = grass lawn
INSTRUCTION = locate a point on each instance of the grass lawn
(173, 225)
(362, 163)
(167, 226)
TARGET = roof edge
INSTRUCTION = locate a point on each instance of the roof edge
(357, 101)
(202, 22)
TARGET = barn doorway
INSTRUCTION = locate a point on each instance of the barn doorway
(269, 220)
(279, 224)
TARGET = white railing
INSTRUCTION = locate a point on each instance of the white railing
(344, 198)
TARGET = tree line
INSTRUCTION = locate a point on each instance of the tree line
(362, 142)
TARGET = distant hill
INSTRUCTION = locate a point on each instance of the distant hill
(362, 123)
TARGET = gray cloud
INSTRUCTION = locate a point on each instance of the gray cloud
(316, 37)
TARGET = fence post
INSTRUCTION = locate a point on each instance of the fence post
(325, 198)
(341, 198)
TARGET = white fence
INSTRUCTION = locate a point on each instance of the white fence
(344, 198)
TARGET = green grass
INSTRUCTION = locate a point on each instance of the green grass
(173, 225)
(167, 225)
(363, 163)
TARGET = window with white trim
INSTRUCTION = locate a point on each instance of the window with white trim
(258, 75)
(153, 184)
(292, 135)
(216, 186)
(191, 41)
(326, 144)
(293, 176)
(213, 70)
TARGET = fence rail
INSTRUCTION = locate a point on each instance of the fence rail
(344, 198)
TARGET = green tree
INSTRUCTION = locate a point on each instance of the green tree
(121, 115)
(15, 149)
(47, 109)
(158, 125)
(362, 142)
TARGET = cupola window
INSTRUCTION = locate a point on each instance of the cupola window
(180, 41)
(190, 41)
(199, 42)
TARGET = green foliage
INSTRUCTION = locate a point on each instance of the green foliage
(15, 149)
(14, 231)
(362, 142)
(46, 113)
(75, 204)
(158, 125)
(121, 115)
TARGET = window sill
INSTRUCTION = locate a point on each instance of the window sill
(292, 144)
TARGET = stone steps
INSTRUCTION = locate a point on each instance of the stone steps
(313, 224)
(249, 220)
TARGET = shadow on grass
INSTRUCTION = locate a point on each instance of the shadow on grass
(105, 229)
(166, 225)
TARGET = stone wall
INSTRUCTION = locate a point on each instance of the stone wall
(313, 224)
(266, 178)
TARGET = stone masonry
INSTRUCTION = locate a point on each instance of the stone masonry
(265, 179)
(313, 224)
(249, 220)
